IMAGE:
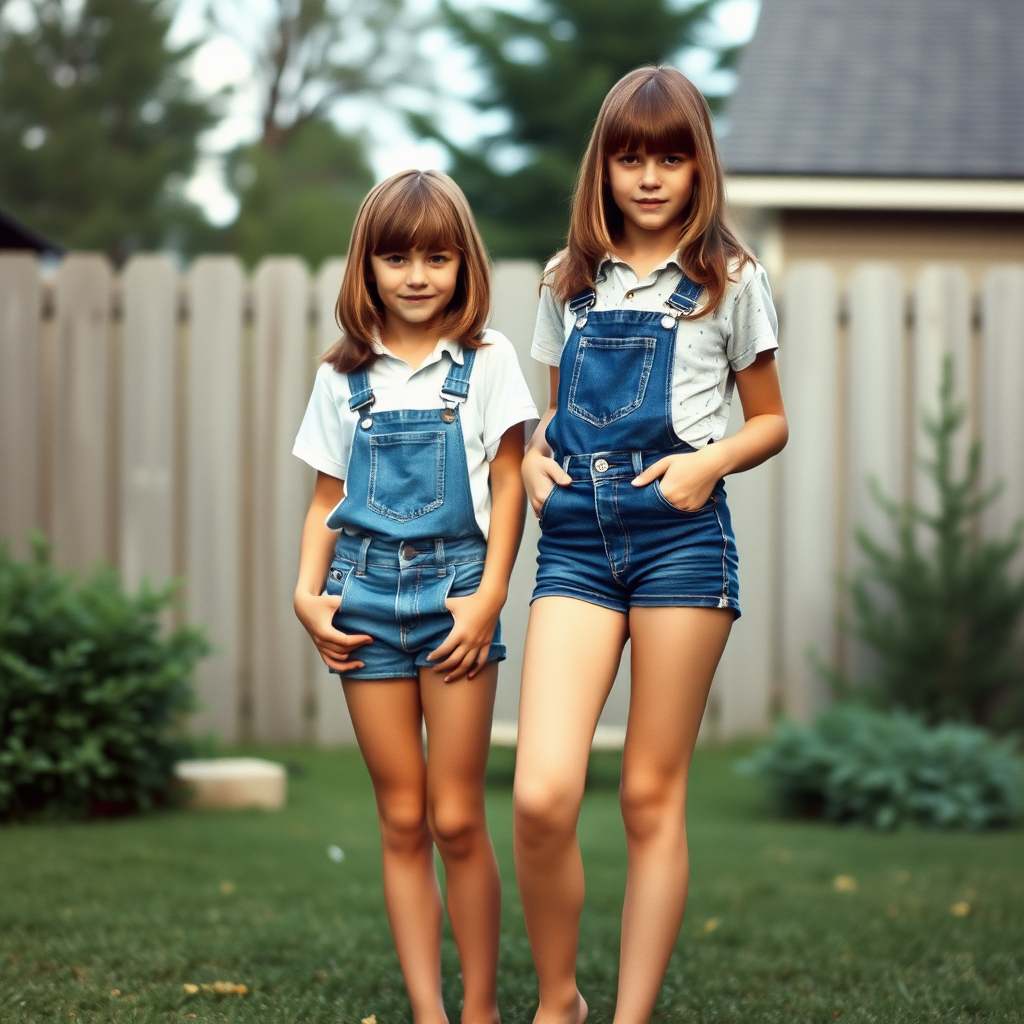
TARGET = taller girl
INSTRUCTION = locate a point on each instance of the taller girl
(650, 316)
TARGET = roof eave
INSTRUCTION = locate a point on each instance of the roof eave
(784, 191)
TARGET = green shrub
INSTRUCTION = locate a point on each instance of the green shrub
(856, 764)
(91, 694)
(942, 609)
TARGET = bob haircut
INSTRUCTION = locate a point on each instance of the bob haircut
(652, 110)
(423, 210)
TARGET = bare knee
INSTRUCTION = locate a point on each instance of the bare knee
(403, 822)
(543, 810)
(651, 803)
(457, 826)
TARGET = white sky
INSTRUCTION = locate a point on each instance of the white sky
(223, 62)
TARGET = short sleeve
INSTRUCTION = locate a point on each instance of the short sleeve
(755, 325)
(325, 436)
(507, 399)
(549, 334)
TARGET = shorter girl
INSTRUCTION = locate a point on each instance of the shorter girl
(416, 428)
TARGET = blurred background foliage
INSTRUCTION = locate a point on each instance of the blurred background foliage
(102, 124)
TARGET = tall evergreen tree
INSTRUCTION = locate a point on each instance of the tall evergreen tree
(548, 75)
(98, 123)
(943, 608)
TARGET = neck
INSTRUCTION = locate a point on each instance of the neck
(644, 250)
(411, 342)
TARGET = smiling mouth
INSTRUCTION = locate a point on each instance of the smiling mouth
(650, 202)
(415, 298)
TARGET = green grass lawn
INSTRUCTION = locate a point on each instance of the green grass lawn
(143, 906)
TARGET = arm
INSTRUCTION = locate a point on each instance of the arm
(688, 480)
(465, 649)
(314, 608)
(540, 471)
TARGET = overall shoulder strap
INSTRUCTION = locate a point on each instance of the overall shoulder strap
(456, 384)
(684, 298)
(359, 386)
(582, 301)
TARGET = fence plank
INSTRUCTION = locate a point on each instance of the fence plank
(743, 685)
(1002, 385)
(333, 723)
(20, 396)
(876, 447)
(282, 486)
(810, 466)
(84, 525)
(214, 460)
(147, 385)
(942, 324)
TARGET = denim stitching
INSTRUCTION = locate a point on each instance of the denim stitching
(377, 442)
(622, 526)
(724, 600)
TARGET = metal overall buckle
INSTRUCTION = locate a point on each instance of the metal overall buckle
(367, 420)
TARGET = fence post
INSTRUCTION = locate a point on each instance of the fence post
(147, 384)
(216, 573)
(810, 483)
(20, 395)
(84, 522)
(1002, 398)
(333, 723)
(282, 486)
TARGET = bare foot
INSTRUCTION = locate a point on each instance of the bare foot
(576, 1016)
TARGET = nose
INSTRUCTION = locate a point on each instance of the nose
(417, 277)
(650, 176)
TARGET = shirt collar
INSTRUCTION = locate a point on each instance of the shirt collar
(453, 348)
(610, 258)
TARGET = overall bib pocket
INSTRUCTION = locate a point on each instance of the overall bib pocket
(406, 474)
(609, 378)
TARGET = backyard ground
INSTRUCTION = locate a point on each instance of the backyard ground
(787, 921)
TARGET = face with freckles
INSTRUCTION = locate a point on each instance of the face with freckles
(653, 190)
(416, 285)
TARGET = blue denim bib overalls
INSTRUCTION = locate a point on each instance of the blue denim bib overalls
(410, 539)
(603, 540)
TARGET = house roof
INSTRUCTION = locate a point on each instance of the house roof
(15, 235)
(876, 88)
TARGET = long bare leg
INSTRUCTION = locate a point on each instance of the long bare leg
(675, 652)
(387, 720)
(571, 656)
(458, 717)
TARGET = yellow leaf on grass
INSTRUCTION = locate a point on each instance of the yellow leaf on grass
(227, 888)
(961, 909)
(711, 924)
(372, 1019)
(845, 883)
(189, 988)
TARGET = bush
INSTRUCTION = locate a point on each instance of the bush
(943, 609)
(91, 694)
(856, 764)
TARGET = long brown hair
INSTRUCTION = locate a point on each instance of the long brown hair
(656, 110)
(410, 210)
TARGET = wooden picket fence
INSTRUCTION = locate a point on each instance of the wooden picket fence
(147, 419)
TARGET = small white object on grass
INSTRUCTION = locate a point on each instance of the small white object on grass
(336, 853)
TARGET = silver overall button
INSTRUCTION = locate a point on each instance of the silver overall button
(409, 552)
(601, 465)
(448, 415)
(668, 322)
(581, 323)
(367, 423)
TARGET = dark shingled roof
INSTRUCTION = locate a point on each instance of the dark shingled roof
(893, 88)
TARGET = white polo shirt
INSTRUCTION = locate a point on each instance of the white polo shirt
(708, 352)
(498, 399)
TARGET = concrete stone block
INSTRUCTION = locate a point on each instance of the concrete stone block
(233, 782)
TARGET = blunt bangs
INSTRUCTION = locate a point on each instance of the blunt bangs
(415, 216)
(650, 120)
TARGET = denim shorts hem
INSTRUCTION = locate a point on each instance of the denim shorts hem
(684, 601)
(589, 596)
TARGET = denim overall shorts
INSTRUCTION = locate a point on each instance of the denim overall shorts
(603, 540)
(409, 539)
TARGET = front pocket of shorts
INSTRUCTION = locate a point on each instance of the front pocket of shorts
(610, 377)
(545, 505)
(707, 507)
(406, 474)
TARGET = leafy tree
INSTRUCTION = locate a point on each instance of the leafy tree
(300, 183)
(942, 610)
(98, 124)
(548, 75)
